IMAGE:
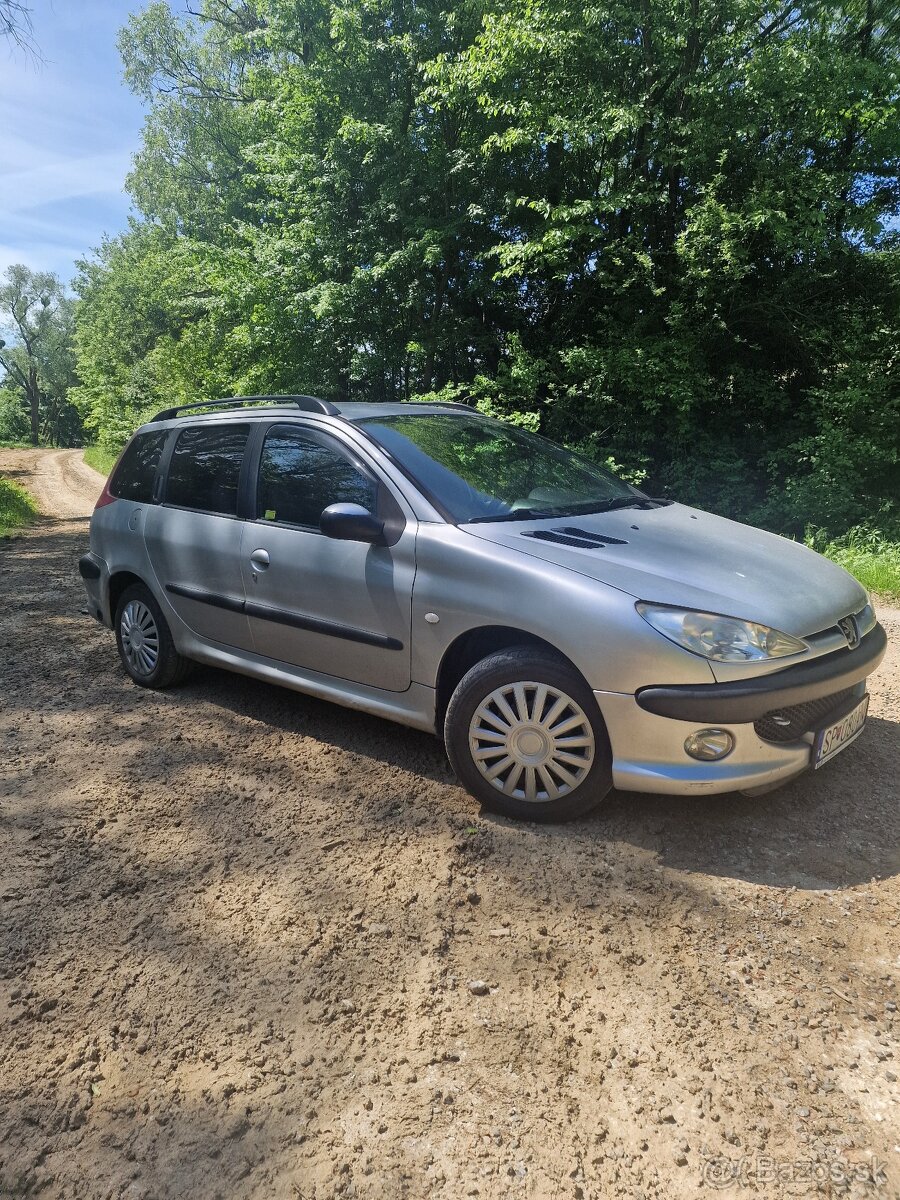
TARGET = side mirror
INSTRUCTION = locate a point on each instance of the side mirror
(351, 523)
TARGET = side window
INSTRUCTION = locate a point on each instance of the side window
(299, 478)
(205, 468)
(134, 476)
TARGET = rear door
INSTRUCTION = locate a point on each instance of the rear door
(339, 608)
(194, 536)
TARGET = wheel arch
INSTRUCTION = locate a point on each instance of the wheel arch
(476, 644)
(118, 582)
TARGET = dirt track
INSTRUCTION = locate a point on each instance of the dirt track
(238, 930)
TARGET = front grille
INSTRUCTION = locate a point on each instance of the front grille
(800, 718)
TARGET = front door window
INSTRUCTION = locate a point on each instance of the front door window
(299, 478)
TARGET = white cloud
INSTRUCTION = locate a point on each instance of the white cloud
(68, 130)
(64, 179)
(42, 256)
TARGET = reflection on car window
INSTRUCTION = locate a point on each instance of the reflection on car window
(136, 471)
(206, 467)
(480, 469)
(299, 478)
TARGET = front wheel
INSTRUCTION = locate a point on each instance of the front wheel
(526, 738)
(145, 642)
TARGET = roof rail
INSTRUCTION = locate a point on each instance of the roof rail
(304, 403)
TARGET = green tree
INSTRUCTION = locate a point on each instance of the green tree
(656, 229)
(39, 363)
(13, 418)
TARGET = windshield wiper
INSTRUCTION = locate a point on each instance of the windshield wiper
(520, 514)
(567, 510)
(617, 502)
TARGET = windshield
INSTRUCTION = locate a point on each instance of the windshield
(483, 470)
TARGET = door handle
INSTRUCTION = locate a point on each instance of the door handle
(259, 560)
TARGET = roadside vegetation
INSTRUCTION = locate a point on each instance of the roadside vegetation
(865, 553)
(16, 507)
(687, 263)
(101, 458)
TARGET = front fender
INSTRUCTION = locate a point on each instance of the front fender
(468, 583)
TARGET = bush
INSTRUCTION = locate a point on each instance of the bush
(14, 427)
(101, 458)
(16, 507)
(865, 553)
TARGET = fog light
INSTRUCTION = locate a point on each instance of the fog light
(709, 744)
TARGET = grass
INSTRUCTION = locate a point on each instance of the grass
(865, 553)
(100, 458)
(16, 507)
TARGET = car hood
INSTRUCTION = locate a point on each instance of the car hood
(686, 557)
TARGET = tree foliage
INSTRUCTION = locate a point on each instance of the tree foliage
(660, 230)
(37, 361)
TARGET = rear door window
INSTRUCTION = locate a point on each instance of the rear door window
(300, 477)
(205, 468)
(134, 476)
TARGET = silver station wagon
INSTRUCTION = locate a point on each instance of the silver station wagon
(563, 632)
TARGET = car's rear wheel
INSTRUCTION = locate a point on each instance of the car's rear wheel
(145, 642)
(525, 735)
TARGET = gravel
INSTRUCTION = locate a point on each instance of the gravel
(241, 930)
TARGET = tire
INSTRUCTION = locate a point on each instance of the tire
(145, 643)
(537, 785)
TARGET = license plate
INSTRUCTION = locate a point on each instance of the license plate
(834, 738)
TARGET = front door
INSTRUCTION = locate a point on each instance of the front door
(339, 608)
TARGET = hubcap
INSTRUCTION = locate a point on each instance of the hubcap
(140, 637)
(531, 741)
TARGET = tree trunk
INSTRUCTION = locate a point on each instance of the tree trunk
(33, 393)
(343, 376)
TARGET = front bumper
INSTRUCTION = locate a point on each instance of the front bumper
(749, 699)
(647, 731)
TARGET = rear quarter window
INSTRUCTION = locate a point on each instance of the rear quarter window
(205, 468)
(133, 477)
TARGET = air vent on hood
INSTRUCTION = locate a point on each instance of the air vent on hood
(568, 536)
(603, 538)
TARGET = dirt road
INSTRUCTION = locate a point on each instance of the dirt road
(61, 482)
(243, 937)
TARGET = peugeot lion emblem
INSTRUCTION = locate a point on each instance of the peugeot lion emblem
(847, 626)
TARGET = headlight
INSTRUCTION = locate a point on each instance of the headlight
(724, 639)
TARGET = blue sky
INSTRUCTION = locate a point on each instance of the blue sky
(68, 129)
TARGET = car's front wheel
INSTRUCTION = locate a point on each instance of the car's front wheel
(526, 738)
(145, 642)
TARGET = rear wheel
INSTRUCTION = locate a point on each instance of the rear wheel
(525, 736)
(145, 642)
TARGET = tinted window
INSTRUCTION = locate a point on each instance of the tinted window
(299, 478)
(484, 470)
(205, 468)
(134, 476)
